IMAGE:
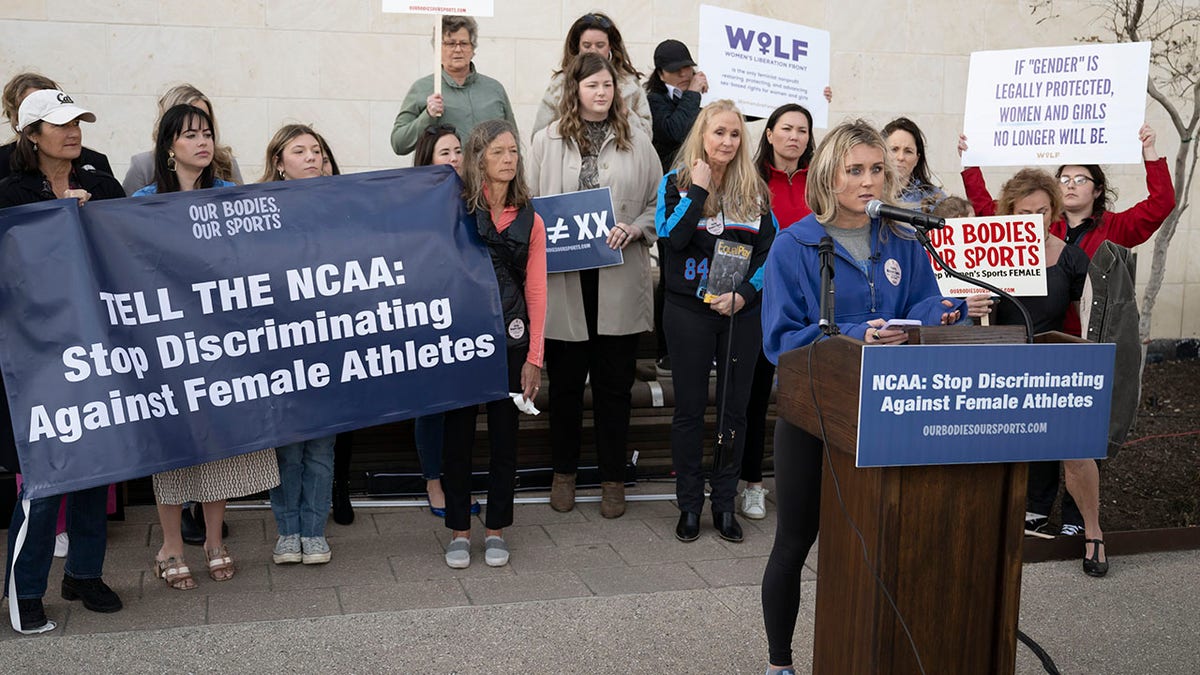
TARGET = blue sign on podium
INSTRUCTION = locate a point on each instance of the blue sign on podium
(968, 404)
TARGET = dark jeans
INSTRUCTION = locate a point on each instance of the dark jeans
(611, 361)
(87, 527)
(459, 439)
(694, 339)
(1042, 489)
(798, 458)
(756, 419)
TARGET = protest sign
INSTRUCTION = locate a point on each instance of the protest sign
(1008, 252)
(467, 7)
(971, 404)
(1054, 105)
(577, 227)
(762, 63)
(140, 335)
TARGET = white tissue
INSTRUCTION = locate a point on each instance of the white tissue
(523, 405)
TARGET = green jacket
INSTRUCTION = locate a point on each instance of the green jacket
(478, 99)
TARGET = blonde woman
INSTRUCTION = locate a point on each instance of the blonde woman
(589, 333)
(850, 168)
(141, 166)
(714, 193)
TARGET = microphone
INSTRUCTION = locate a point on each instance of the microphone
(921, 221)
(825, 252)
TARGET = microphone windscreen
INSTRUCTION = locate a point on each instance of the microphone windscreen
(873, 208)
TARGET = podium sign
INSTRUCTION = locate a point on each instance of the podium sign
(968, 404)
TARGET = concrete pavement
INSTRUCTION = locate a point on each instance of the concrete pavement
(581, 594)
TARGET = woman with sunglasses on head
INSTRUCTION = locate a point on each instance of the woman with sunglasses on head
(47, 165)
(594, 317)
(596, 33)
(141, 166)
(183, 161)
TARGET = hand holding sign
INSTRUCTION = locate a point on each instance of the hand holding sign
(622, 235)
(434, 105)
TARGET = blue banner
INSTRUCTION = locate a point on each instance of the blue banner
(140, 335)
(966, 404)
(577, 227)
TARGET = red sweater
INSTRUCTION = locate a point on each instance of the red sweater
(1127, 228)
(787, 195)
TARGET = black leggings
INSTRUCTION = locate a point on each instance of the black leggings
(798, 458)
(756, 419)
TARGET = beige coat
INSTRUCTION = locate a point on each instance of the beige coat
(637, 108)
(626, 302)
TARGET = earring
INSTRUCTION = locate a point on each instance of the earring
(171, 161)
(35, 147)
(281, 176)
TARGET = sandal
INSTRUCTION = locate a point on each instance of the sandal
(1092, 566)
(175, 572)
(220, 565)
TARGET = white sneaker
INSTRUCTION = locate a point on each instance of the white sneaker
(495, 551)
(61, 542)
(458, 553)
(754, 503)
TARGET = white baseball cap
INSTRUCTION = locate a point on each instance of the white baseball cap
(50, 105)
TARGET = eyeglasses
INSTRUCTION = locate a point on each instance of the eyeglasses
(596, 20)
(1077, 180)
(456, 44)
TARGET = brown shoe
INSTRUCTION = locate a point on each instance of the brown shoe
(612, 499)
(562, 492)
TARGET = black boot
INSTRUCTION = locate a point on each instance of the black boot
(343, 511)
(192, 524)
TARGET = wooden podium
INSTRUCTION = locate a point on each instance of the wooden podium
(944, 540)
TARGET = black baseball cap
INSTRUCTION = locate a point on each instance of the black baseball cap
(672, 55)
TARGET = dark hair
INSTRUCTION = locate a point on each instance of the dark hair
(655, 83)
(474, 161)
(174, 122)
(25, 157)
(1107, 194)
(766, 152)
(427, 142)
(616, 46)
(570, 122)
(920, 172)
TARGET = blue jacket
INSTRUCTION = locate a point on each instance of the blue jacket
(899, 284)
(152, 189)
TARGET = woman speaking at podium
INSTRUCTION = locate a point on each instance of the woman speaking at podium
(881, 273)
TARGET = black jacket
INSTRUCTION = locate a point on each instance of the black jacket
(97, 160)
(28, 188)
(672, 121)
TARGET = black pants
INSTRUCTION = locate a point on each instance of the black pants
(611, 361)
(694, 339)
(798, 459)
(502, 417)
(660, 335)
(756, 419)
(1042, 488)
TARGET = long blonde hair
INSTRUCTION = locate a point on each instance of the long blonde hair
(222, 161)
(828, 165)
(570, 123)
(743, 195)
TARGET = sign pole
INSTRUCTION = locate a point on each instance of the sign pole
(437, 54)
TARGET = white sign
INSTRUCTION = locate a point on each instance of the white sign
(761, 63)
(1054, 105)
(448, 7)
(1008, 252)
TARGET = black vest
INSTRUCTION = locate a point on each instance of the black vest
(510, 252)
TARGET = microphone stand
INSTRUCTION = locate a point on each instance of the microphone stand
(924, 239)
(722, 449)
(827, 323)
